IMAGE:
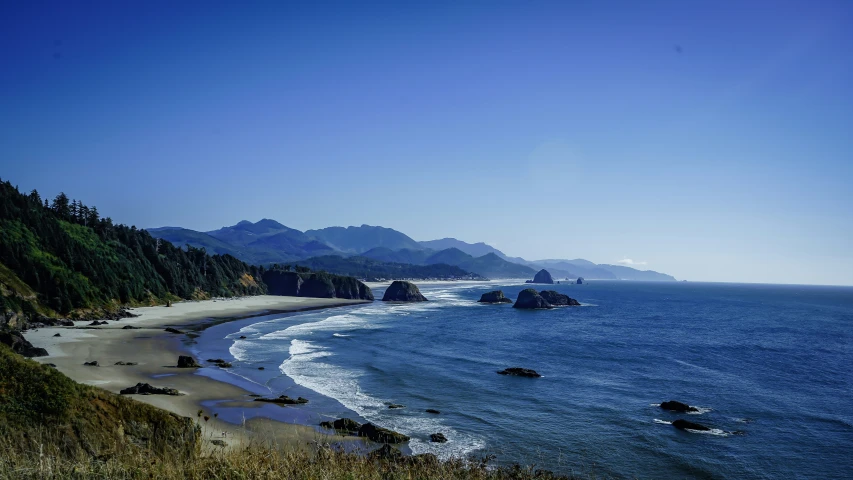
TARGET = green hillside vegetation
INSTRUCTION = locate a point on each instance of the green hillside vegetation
(371, 269)
(75, 263)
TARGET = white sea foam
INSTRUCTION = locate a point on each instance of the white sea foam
(341, 335)
(304, 367)
(663, 422)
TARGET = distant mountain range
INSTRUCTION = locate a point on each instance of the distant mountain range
(347, 250)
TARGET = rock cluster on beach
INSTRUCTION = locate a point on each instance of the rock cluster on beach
(219, 362)
(284, 400)
(185, 361)
(520, 372)
(20, 345)
(147, 389)
(496, 296)
(531, 299)
(369, 430)
(402, 291)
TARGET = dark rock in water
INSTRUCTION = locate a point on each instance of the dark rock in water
(342, 424)
(185, 361)
(678, 407)
(129, 327)
(437, 438)
(530, 299)
(260, 368)
(220, 362)
(146, 389)
(386, 452)
(129, 364)
(401, 291)
(91, 364)
(396, 405)
(520, 372)
(685, 425)
(57, 335)
(20, 345)
(284, 400)
(580, 281)
(542, 276)
(381, 435)
(242, 337)
(557, 299)
(432, 410)
(173, 330)
(494, 297)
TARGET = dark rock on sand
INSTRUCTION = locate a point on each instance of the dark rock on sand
(129, 327)
(437, 438)
(185, 361)
(530, 299)
(678, 407)
(685, 425)
(147, 389)
(129, 364)
(381, 435)
(557, 299)
(520, 372)
(342, 424)
(284, 400)
(97, 322)
(496, 296)
(57, 335)
(401, 291)
(93, 363)
(542, 276)
(432, 410)
(174, 330)
(20, 345)
(386, 452)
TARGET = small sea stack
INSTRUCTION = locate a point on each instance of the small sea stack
(530, 299)
(496, 296)
(520, 372)
(402, 291)
(685, 425)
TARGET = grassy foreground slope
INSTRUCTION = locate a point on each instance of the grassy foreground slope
(52, 427)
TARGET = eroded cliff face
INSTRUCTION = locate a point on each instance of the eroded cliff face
(319, 285)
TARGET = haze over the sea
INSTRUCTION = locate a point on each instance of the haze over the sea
(707, 140)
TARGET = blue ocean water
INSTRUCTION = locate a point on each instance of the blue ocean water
(769, 365)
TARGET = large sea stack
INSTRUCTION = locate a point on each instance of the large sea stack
(530, 299)
(557, 299)
(542, 276)
(401, 291)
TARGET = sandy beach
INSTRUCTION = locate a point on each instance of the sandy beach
(156, 352)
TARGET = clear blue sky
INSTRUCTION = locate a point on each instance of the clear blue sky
(710, 140)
